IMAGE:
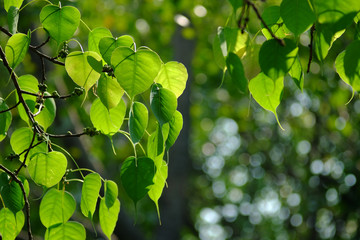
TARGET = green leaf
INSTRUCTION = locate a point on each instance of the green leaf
(138, 121)
(175, 125)
(80, 70)
(56, 207)
(20, 221)
(271, 17)
(111, 193)
(297, 15)
(107, 121)
(5, 119)
(267, 92)
(137, 176)
(236, 71)
(66, 231)
(109, 91)
(11, 192)
(13, 19)
(135, 71)
(16, 49)
(156, 141)
(230, 40)
(347, 65)
(60, 22)
(7, 224)
(108, 216)
(108, 44)
(332, 11)
(47, 115)
(47, 169)
(20, 141)
(163, 103)
(9, 3)
(276, 60)
(236, 3)
(95, 36)
(89, 194)
(159, 184)
(173, 76)
(297, 74)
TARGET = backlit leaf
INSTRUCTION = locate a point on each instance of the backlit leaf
(16, 49)
(109, 91)
(332, 11)
(163, 103)
(66, 231)
(108, 44)
(175, 124)
(108, 216)
(95, 36)
(297, 74)
(273, 20)
(89, 194)
(138, 121)
(5, 119)
(20, 221)
(9, 3)
(7, 224)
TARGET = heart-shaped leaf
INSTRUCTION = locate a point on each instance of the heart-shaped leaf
(108, 216)
(9, 3)
(135, 71)
(11, 192)
(111, 193)
(107, 121)
(7, 224)
(108, 44)
(163, 103)
(138, 121)
(16, 49)
(109, 91)
(276, 60)
(20, 221)
(66, 231)
(175, 124)
(95, 36)
(271, 17)
(56, 207)
(81, 71)
(5, 119)
(89, 194)
(60, 22)
(47, 169)
(332, 11)
(137, 176)
(13, 19)
(173, 76)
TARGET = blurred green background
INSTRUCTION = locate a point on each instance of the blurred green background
(233, 173)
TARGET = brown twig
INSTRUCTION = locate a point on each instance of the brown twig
(312, 30)
(27, 205)
(42, 44)
(51, 96)
(6, 110)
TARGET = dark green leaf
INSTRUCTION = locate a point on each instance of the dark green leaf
(297, 74)
(176, 125)
(271, 17)
(5, 119)
(236, 3)
(138, 121)
(111, 193)
(332, 11)
(11, 193)
(13, 19)
(163, 103)
(236, 71)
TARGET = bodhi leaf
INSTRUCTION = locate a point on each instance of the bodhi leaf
(156, 141)
(108, 44)
(108, 216)
(135, 71)
(175, 124)
(20, 221)
(332, 11)
(20, 141)
(107, 121)
(347, 65)
(89, 194)
(297, 15)
(66, 231)
(267, 92)
(81, 71)
(60, 22)
(13, 19)
(138, 121)
(276, 60)
(173, 76)
(95, 36)
(56, 207)
(16, 49)
(236, 71)
(163, 103)
(297, 74)
(236, 3)
(47, 169)
(11, 192)
(137, 176)
(271, 17)
(9, 3)
(109, 91)
(5, 119)
(111, 193)
(7, 224)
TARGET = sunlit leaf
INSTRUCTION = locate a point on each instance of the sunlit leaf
(7, 224)
(137, 176)
(163, 103)
(156, 142)
(108, 44)
(66, 231)
(297, 74)
(271, 17)
(56, 207)
(109, 91)
(60, 22)
(90, 194)
(9, 3)
(108, 216)
(135, 71)
(47, 169)
(16, 49)
(5, 119)
(20, 221)
(138, 121)
(175, 124)
(95, 36)
(332, 11)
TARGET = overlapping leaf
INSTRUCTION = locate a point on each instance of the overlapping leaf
(7, 224)
(108, 216)
(66, 231)
(9, 3)
(109, 91)
(236, 71)
(90, 194)
(5, 119)
(273, 20)
(13, 19)
(16, 48)
(138, 121)
(175, 124)
(108, 44)
(163, 103)
(111, 193)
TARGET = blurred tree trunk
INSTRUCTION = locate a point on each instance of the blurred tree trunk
(173, 203)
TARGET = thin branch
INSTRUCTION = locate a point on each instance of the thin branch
(33, 146)
(312, 30)
(281, 41)
(43, 79)
(51, 96)
(5, 31)
(27, 205)
(42, 44)
(66, 135)
(26, 154)
(17, 104)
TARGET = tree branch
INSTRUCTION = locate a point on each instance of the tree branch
(312, 30)
(27, 205)
(26, 154)
(6, 110)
